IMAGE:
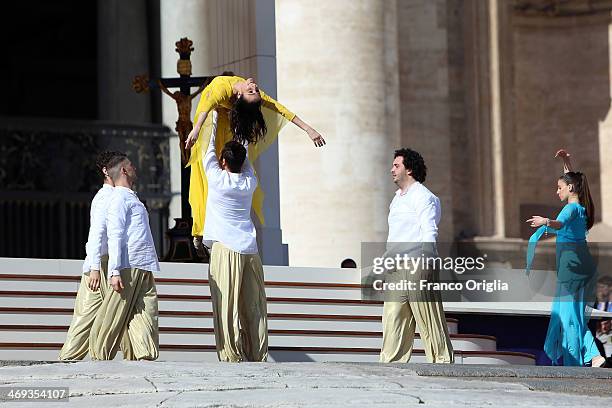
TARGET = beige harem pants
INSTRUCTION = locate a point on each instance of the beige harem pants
(86, 306)
(239, 305)
(409, 310)
(135, 310)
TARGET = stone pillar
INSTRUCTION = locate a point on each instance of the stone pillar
(478, 123)
(191, 19)
(431, 100)
(273, 250)
(337, 70)
(228, 35)
(605, 151)
(507, 219)
(243, 40)
(491, 151)
(122, 53)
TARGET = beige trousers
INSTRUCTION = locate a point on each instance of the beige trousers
(133, 310)
(239, 305)
(412, 309)
(86, 306)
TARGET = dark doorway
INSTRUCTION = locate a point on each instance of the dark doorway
(49, 59)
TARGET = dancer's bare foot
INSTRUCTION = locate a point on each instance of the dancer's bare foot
(598, 361)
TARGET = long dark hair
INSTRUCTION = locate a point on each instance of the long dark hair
(247, 121)
(581, 187)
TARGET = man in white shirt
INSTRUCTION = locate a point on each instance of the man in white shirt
(236, 273)
(93, 287)
(414, 215)
(132, 260)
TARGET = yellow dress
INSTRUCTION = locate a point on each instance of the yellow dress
(217, 95)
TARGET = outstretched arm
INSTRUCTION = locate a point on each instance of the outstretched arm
(215, 93)
(567, 165)
(312, 134)
(567, 214)
(247, 167)
(211, 163)
(270, 103)
(537, 221)
(193, 135)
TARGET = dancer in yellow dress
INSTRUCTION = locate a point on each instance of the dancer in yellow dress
(245, 114)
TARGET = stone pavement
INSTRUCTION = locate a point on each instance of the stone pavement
(179, 384)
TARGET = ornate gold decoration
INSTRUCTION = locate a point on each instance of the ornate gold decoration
(184, 47)
(183, 67)
(141, 83)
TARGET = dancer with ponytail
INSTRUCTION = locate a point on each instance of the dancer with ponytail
(568, 336)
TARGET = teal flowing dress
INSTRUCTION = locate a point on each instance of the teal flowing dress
(568, 336)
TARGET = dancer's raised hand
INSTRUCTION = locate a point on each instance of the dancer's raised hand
(536, 221)
(563, 154)
(316, 137)
(191, 139)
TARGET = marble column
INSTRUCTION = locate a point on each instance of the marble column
(273, 251)
(243, 40)
(123, 52)
(605, 153)
(337, 70)
(237, 36)
(491, 150)
(182, 18)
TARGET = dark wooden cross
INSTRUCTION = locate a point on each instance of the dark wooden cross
(181, 247)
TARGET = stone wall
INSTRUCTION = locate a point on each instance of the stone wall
(333, 71)
(561, 93)
(433, 104)
(485, 91)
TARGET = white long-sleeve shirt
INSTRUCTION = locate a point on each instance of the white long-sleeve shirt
(228, 206)
(97, 240)
(130, 242)
(414, 216)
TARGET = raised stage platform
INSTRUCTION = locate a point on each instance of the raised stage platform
(314, 314)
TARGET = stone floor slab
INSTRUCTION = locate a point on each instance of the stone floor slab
(173, 384)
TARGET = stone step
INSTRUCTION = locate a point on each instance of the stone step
(314, 314)
(199, 303)
(282, 338)
(181, 286)
(169, 352)
(281, 321)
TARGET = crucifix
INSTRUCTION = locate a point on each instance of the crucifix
(181, 246)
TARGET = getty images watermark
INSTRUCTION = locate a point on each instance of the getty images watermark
(475, 272)
(425, 266)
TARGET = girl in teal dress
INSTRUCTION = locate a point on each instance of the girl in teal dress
(568, 336)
